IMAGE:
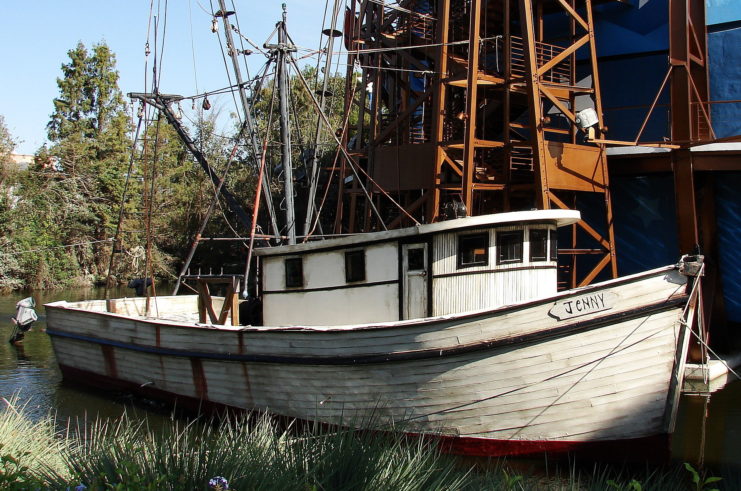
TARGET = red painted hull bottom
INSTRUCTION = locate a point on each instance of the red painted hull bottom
(655, 449)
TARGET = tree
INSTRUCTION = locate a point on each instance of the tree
(7, 144)
(9, 266)
(71, 194)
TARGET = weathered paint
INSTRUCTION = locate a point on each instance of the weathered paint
(611, 381)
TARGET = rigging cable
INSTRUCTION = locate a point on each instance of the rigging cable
(42, 249)
(354, 167)
(192, 45)
(226, 65)
(243, 51)
(345, 125)
(256, 206)
(148, 206)
(116, 237)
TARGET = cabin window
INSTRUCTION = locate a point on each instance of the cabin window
(473, 250)
(509, 247)
(415, 259)
(538, 244)
(554, 245)
(294, 272)
(354, 266)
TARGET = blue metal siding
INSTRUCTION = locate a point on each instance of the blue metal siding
(645, 224)
(728, 216)
(724, 54)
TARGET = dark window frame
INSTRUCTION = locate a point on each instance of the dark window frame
(419, 261)
(357, 271)
(502, 237)
(292, 279)
(469, 237)
(553, 244)
(543, 242)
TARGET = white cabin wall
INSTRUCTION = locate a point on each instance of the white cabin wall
(351, 303)
(495, 286)
(332, 308)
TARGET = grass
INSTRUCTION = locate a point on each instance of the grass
(258, 455)
(35, 446)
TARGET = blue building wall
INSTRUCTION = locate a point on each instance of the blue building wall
(645, 223)
(632, 42)
(724, 53)
(633, 46)
(728, 216)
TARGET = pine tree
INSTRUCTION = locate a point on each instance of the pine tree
(88, 135)
(7, 144)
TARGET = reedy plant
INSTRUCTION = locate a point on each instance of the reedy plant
(31, 448)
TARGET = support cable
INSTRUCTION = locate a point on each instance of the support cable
(314, 162)
(345, 124)
(207, 216)
(125, 191)
(354, 167)
(251, 129)
(256, 206)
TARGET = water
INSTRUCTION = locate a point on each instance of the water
(30, 371)
(708, 429)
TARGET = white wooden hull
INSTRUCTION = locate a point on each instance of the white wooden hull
(510, 380)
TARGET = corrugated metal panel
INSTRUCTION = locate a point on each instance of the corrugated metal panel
(506, 285)
(728, 208)
(471, 292)
(645, 224)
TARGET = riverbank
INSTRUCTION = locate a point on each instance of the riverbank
(257, 454)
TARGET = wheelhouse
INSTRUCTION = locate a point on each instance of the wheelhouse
(437, 269)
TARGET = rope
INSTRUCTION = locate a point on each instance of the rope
(717, 357)
(615, 350)
(547, 379)
(241, 43)
(57, 247)
(421, 46)
(226, 67)
(192, 45)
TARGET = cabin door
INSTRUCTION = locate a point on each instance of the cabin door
(414, 270)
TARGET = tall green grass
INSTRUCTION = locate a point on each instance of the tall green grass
(33, 446)
(260, 455)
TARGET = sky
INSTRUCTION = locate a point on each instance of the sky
(36, 36)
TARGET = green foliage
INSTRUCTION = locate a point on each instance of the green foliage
(699, 480)
(10, 268)
(632, 485)
(29, 450)
(13, 475)
(259, 455)
(71, 194)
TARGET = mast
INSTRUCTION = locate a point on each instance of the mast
(282, 50)
(331, 34)
(250, 125)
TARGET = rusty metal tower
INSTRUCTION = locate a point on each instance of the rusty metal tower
(482, 106)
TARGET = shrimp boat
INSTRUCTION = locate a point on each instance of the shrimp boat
(385, 323)
(454, 330)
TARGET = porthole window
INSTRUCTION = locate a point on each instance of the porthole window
(294, 272)
(538, 244)
(509, 247)
(473, 250)
(554, 245)
(354, 266)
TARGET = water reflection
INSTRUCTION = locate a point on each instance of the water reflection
(30, 372)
